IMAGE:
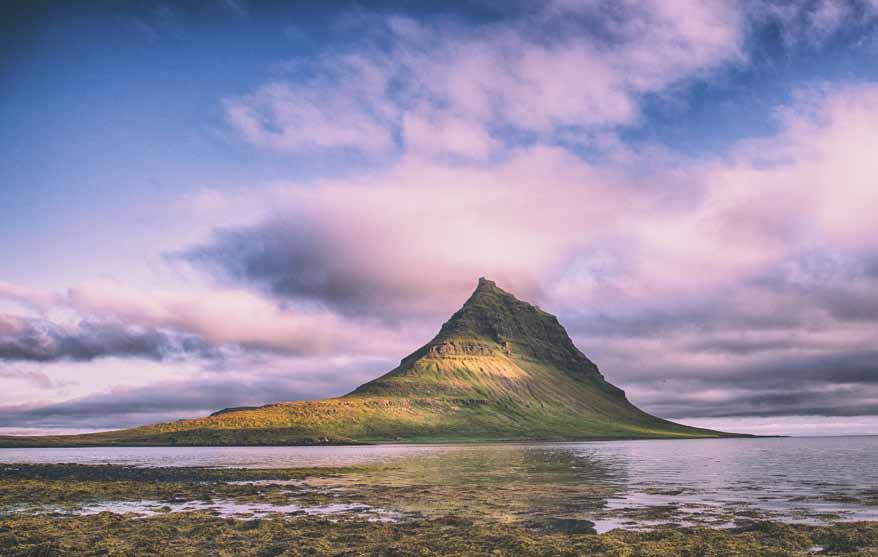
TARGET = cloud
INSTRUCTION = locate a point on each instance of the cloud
(38, 340)
(28, 297)
(112, 319)
(440, 88)
(216, 332)
(136, 406)
(583, 232)
(222, 317)
(196, 396)
(36, 378)
(284, 117)
(815, 22)
(837, 383)
(791, 425)
(414, 241)
(432, 133)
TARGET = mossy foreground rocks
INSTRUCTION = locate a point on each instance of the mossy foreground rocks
(194, 534)
(499, 369)
(41, 505)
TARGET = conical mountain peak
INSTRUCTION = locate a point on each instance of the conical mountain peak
(487, 295)
(493, 324)
(494, 314)
(486, 285)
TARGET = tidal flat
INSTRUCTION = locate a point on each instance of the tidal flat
(723, 498)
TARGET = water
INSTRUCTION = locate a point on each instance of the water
(225, 457)
(632, 484)
(234, 509)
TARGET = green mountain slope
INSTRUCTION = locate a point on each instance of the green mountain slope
(499, 369)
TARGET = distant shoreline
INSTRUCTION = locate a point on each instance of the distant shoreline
(4, 442)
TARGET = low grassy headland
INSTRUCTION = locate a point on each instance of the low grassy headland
(387, 509)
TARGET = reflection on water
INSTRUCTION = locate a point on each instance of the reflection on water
(567, 486)
(722, 481)
(547, 487)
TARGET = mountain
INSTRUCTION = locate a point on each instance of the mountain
(499, 369)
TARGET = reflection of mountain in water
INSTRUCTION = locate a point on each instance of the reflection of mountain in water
(546, 487)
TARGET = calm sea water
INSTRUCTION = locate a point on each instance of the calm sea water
(791, 479)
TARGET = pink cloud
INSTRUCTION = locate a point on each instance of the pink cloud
(219, 317)
(231, 316)
(434, 134)
(589, 232)
(499, 74)
(280, 117)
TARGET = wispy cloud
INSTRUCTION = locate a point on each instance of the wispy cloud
(442, 88)
(817, 21)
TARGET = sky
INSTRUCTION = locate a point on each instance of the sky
(213, 203)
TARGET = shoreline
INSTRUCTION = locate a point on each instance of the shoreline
(8, 442)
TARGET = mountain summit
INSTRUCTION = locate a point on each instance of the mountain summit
(492, 336)
(499, 369)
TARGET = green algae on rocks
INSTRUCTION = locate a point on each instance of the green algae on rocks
(198, 534)
(438, 515)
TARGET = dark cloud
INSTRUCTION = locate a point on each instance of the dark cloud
(845, 287)
(39, 340)
(740, 345)
(818, 401)
(704, 315)
(837, 384)
(297, 259)
(827, 285)
(287, 258)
